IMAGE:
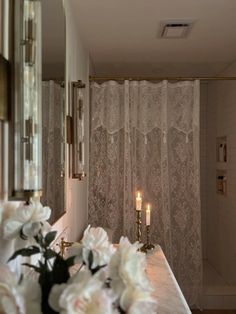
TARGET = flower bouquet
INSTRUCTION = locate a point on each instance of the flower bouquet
(95, 277)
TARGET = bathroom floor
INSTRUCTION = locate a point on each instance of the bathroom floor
(211, 276)
(218, 294)
(214, 283)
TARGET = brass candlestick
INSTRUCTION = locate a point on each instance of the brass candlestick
(148, 246)
(138, 225)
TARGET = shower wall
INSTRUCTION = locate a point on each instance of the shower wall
(218, 119)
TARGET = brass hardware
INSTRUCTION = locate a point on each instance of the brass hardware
(148, 246)
(30, 52)
(30, 29)
(69, 129)
(79, 176)
(63, 245)
(26, 194)
(138, 225)
(28, 139)
(4, 81)
(78, 84)
(160, 78)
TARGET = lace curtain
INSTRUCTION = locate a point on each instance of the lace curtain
(145, 136)
(52, 142)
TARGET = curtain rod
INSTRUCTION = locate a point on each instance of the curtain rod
(168, 78)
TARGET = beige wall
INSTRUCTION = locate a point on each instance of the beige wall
(75, 219)
(220, 211)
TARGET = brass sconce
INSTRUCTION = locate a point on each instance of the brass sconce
(75, 130)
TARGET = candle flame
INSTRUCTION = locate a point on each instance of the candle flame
(148, 206)
(138, 194)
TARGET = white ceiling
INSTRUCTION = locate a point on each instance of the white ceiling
(53, 39)
(122, 36)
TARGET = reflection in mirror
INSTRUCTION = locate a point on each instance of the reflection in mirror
(53, 106)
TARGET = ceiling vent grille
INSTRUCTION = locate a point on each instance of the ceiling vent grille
(175, 29)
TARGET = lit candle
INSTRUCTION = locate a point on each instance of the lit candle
(138, 202)
(148, 215)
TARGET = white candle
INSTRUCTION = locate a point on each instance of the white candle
(148, 215)
(138, 202)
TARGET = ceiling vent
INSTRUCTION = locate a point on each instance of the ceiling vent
(176, 30)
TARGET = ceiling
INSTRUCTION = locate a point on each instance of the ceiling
(122, 36)
(53, 39)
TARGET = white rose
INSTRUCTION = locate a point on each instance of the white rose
(96, 240)
(25, 222)
(83, 295)
(11, 301)
(23, 298)
(135, 301)
(6, 210)
(127, 268)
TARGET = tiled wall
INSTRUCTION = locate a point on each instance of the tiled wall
(218, 118)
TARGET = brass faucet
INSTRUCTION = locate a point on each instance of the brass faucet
(63, 245)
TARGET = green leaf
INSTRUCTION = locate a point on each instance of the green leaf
(41, 264)
(37, 269)
(90, 260)
(94, 270)
(50, 237)
(31, 250)
(49, 254)
(60, 270)
(70, 261)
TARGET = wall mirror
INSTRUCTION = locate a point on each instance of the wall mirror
(53, 106)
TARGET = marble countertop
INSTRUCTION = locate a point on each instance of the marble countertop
(166, 289)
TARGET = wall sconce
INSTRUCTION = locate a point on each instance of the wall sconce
(26, 177)
(75, 130)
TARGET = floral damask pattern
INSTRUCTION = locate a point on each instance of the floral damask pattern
(146, 136)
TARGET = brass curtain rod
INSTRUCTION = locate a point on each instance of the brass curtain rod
(168, 78)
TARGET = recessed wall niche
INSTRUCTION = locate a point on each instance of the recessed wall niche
(221, 149)
(221, 182)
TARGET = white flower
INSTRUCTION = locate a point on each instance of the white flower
(95, 240)
(17, 298)
(25, 222)
(6, 210)
(84, 294)
(127, 268)
(135, 301)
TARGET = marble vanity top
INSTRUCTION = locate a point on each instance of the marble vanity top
(166, 289)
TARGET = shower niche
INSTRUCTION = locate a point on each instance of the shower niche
(221, 149)
(221, 172)
(221, 182)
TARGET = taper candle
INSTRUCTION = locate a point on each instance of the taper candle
(148, 215)
(138, 201)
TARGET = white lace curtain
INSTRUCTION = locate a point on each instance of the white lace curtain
(52, 141)
(145, 136)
